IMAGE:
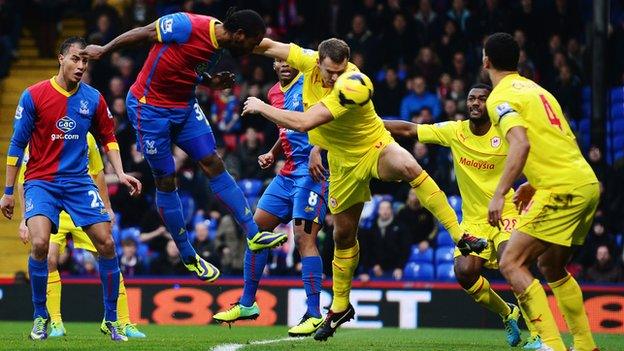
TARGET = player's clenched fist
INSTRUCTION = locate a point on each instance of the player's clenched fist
(265, 160)
(7, 203)
(132, 183)
(252, 105)
(93, 52)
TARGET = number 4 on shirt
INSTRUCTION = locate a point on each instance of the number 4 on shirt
(552, 117)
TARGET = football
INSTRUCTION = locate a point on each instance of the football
(354, 88)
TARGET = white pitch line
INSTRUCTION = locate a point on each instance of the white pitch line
(236, 347)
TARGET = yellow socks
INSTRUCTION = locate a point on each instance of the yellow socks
(344, 264)
(570, 302)
(535, 304)
(528, 322)
(53, 295)
(434, 200)
(123, 314)
(483, 294)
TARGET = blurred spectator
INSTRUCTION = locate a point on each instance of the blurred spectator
(526, 67)
(251, 146)
(46, 17)
(7, 50)
(490, 18)
(416, 224)
(116, 89)
(459, 14)
(224, 112)
(104, 31)
(424, 116)
(101, 8)
(421, 154)
(418, 98)
(458, 94)
(568, 91)
(450, 109)
(459, 69)
(231, 244)
(598, 236)
(381, 252)
(444, 86)
(130, 263)
(428, 65)
(231, 161)
(605, 268)
(388, 94)
(397, 44)
(170, 263)
(428, 24)
(202, 243)
(361, 39)
(451, 41)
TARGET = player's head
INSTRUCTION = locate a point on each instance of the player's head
(333, 60)
(72, 64)
(245, 28)
(285, 73)
(475, 102)
(501, 53)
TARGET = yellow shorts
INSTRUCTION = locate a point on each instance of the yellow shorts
(493, 235)
(66, 227)
(349, 178)
(561, 218)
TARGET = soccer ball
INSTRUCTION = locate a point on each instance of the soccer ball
(354, 88)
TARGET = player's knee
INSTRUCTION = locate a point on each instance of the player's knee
(466, 275)
(344, 238)
(40, 247)
(411, 169)
(106, 247)
(212, 165)
(167, 183)
(507, 266)
(52, 263)
(550, 271)
(305, 243)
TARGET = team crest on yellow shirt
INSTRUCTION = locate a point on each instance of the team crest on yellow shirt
(495, 142)
(332, 202)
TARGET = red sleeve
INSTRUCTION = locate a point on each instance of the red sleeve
(103, 127)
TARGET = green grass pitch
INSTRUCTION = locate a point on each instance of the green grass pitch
(86, 336)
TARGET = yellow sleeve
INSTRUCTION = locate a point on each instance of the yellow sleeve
(440, 133)
(20, 176)
(303, 60)
(506, 113)
(95, 159)
(332, 102)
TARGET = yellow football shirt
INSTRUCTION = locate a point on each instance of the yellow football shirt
(554, 162)
(94, 166)
(478, 161)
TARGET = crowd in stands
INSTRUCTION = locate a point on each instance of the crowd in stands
(423, 55)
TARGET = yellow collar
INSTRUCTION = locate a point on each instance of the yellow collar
(61, 90)
(213, 34)
(285, 89)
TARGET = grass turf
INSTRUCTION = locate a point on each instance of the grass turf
(85, 336)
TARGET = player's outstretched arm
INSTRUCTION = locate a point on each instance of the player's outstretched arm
(516, 159)
(146, 34)
(299, 121)
(273, 49)
(402, 129)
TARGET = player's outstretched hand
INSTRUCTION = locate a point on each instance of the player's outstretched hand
(23, 231)
(266, 160)
(252, 105)
(7, 203)
(315, 165)
(221, 80)
(93, 52)
(523, 196)
(132, 183)
(495, 210)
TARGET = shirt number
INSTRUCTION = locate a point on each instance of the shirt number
(552, 117)
(96, 200)
(313, 199)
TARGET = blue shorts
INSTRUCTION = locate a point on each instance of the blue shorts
(295, 197)
(158, 128)
(78, 197)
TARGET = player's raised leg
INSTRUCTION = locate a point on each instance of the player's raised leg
(396, 163)
(346, 259)
(253, 267)
(53, 295)
(521, 250)
(197, 140)
(568, 295)
(39, 227)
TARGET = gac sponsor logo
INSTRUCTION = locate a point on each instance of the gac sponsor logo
(66, 124)
(476, 164)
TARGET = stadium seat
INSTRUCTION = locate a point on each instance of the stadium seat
(444, 254)
(250, 187)
(421, 256)
(617, 95)
(456, 203)
(444, 239)
(586, 110)
(586, 94)
(584, 125)
(617, 111)
(616, 126)
(445, 271)
(418, 271)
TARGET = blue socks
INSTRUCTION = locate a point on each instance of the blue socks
(227, 191)
(252, 272)
(38, 271)
(170, 209)
(312, 275)
(109, 275)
